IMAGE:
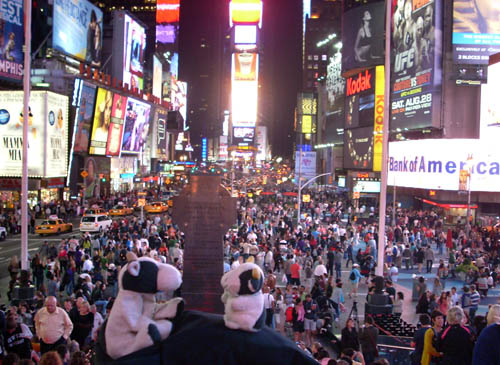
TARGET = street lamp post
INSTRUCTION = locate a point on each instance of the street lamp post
(299, 195)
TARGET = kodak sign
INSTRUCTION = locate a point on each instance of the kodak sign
(362, 82)
(379, 118)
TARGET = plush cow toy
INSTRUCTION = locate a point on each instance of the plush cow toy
(243, 299)
(136, 321)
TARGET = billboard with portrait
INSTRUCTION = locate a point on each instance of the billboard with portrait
(358, 148)
(157, 76)
(11, 40)
(47, 134)
(476, 31)
(136, 126)
(129, 50)
(363, 30)
(77, 30)
(116, 127)
(417, 71)
(102, 122)
(84, 100)
(178, 97)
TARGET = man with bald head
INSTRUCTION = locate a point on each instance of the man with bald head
(53, 325)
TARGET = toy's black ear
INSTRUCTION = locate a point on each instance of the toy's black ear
(256, 282)
(133, 268)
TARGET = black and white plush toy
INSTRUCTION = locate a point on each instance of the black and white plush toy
(243, 299)
(136, 321)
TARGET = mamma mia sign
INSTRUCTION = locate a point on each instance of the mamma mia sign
(436, 164)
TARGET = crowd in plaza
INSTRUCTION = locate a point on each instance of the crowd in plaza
(304, 290)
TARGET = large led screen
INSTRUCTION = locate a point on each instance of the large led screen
(244, 91)
(116, 127)
(490, 109)
(436, 164)
(11, 40)
(135, 52)
(363, 36)
(243, 136)
(136, 126)
(84, 100)
(245, 34)
(358, 148)
(476, 30)
(167, 11)
(417, 71)
(161, 133)
(77, 30)
(157, 76)
(245, 11)
(47, 134)
(360, 99)
(179, 97)
(102, 122)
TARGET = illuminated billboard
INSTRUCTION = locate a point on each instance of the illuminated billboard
(360, 99)
(77, 30)
(358, 148)
(245, 12)
(476, 31)
(436, 164)
(12, 40)
(378, 118)
(243, 136)
(84, 100)
(167, 21)
(417, 71)
(129, 50)
(47, 134)
(157, 76)
(136, 126)
(102, 122)
(490, 109)
(161, 133)
(178, 97)
(116, 128)
(363, 31)
(244, 93)
(245, 34)
(167, 11)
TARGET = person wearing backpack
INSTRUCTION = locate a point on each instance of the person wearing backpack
(354, 278)
(431, 339)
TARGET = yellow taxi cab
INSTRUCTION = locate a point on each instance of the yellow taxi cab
(94, 211)
(156, 207)
(121, 210)
(50, 226)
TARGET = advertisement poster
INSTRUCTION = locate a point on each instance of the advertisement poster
(179, 97)
(47, 131)
(245, 66)
(161, 133)
(308, 168)
(157, 76)
(57, 135)
(136, 126)
(417, 71)
(77, 30)
(476, 31)
(94, 166)
(167, 22)
(437, 164)
(358, 148)
(116, 128)
(378, 124)
(85, 110)
(360, 99)
(135, 52)
(102, 122)
(243, 136)
(363, 28)
(11, 40)
(490, 109)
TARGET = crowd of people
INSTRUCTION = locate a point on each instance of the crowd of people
(75, 281)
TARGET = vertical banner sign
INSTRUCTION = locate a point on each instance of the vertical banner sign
(417, 71)
(462, 180)
(11, 40)
(116, 127)
(57, 135)
(379, 118)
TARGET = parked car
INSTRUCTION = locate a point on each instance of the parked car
(53, 226)
(95, 223)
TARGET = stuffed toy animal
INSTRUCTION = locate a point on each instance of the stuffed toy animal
(243, 299)
(136, 321)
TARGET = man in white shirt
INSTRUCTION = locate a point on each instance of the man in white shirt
(268, 306)
(88, 265)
